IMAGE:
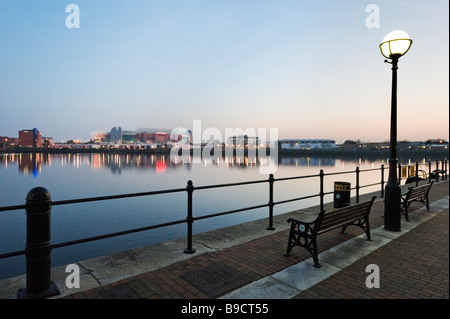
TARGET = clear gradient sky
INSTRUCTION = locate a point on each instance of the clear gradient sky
(310, 68)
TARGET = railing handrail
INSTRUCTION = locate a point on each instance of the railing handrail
(174, 190)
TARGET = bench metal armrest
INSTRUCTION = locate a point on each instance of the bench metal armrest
(306, 229)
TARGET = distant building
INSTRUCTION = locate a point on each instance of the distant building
(349, 145)
(115, 136)
(243, 141)
(307, 144)
(119, 136)
(157, 137)
(8, 141)
(30, 138)
(47, 141)
(142, 135)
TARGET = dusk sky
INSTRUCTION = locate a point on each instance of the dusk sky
(311, 69)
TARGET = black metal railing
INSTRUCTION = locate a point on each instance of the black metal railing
(38, 208)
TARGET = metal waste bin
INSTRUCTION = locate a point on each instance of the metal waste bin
(341, 194)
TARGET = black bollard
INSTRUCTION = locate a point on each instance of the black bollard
(38, 247)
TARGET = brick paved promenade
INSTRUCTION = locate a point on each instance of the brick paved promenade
(413, 265)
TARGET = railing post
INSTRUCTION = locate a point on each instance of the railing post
(429, 171)
(382, 180)
(189, 218)
(38, 246)
(321, 189)
(271, 204)
(357, 184)
(399, 174)
(417, 174)
(445, 170)
(437, 171)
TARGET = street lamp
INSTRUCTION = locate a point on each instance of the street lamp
(394, 45)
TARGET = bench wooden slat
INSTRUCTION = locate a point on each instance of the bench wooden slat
(341, 216)
(332, 224)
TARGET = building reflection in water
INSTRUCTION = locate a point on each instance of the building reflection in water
(32, 163)
(28, 163)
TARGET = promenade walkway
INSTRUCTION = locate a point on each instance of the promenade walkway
(412, 263)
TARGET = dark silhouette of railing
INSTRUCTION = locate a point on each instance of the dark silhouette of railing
(38, 209)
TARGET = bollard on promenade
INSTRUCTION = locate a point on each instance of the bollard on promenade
(38, 247)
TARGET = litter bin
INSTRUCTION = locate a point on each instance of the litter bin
(341, 194)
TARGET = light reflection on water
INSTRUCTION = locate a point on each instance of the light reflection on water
(71, 176)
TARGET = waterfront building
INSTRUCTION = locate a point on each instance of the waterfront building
(30, 138)
(307, 144)
(119, 136)
(242, 141)
(8, 141)
(115, 135)
(156, 137)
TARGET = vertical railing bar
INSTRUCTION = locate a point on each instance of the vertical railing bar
(321, 193)
(437, 171)
(445, 168)
(357, 184)
(189, 218)
(417, 174)
(271, 204)
(429, 171)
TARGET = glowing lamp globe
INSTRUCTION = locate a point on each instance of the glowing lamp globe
(395, 44)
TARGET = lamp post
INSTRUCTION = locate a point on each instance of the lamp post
(394, 45)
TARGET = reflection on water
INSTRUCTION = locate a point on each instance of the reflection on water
(307, 161)
(32, 163)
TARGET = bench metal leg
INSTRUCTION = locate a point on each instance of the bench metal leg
(315, 254)
(307, 242)
(367, 229)
(289, 246)
(406, 213)
(404, 210)
(364, 224)
(405, 205)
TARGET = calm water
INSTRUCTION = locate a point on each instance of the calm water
(71, 176)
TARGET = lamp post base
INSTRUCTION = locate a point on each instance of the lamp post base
(392, 208)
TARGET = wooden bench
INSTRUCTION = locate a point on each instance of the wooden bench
(415, 194)
(304, 234)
